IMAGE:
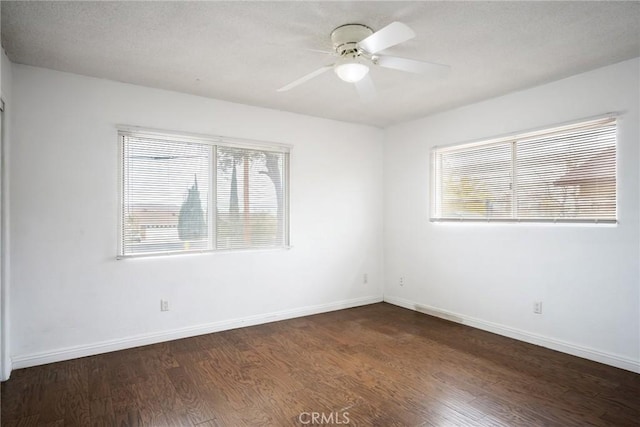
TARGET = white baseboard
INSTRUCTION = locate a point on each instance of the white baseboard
(67, 353)
(6, 370)
(543, 341)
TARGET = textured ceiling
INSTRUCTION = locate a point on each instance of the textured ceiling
(244, 51)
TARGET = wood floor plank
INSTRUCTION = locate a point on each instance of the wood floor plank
(77, 410)
(53, 406)
(197, 407)
(28, 421)
(373, 365)
(101, 412)
(123, 401)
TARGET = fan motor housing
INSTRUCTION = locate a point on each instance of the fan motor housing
(345, 38)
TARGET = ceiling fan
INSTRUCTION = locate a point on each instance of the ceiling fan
(358, 47)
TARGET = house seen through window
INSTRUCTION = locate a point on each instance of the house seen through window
(564, 174)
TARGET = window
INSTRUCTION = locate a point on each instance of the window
(186, 194)
(561, 174)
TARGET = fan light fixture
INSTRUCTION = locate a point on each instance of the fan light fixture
(351, 71)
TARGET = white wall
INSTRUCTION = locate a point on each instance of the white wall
(70, 297)
(490, 275)
(69, 294)
(5, 94)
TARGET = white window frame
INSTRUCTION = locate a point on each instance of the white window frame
(213, 141)
(513, 140)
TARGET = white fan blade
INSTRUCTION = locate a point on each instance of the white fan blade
(366, 89)
(391, 35)
(412, 66)
(306, 78)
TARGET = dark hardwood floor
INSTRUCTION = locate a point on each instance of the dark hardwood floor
(377, 365)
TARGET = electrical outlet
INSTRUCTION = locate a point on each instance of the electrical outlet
(365, 278)
(401, 281)
(537, 307)
(164, 305)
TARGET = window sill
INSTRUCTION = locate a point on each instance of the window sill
(200, 252)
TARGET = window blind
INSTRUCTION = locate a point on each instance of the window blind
(250, 198)
(561, 174)
(184, 196)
